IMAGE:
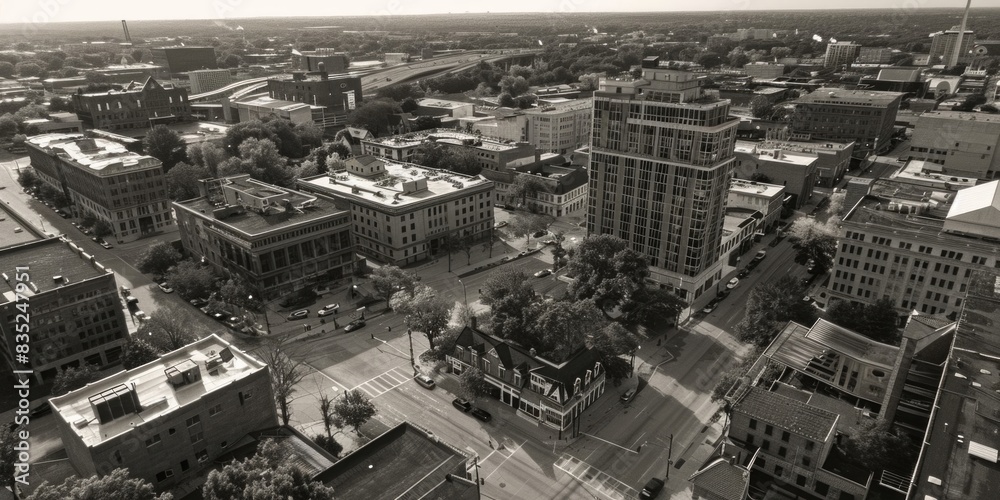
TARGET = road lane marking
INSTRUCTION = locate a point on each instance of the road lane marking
(597, 479)
(506, 458)
(384, 382)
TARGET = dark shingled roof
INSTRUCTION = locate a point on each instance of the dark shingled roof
(724, 480)
(786, 413)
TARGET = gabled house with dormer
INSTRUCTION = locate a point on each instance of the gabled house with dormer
(554, 394)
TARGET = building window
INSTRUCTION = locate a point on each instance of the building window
(185, 465)
(785, 436)
(153, 440)
(810, 445)
(193, 420)
(164, 474)
(778, 470)
(766, 445)
(800, 480)
(197, 437)
(215, 410)
(753, 424)
(822, 488)
(806, 461)
(768, 429)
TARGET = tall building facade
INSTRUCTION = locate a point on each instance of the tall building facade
(75, 315)
(865, 117)
(168, 420)
(562, 127)
(660, 165)
(102, 177)
(840, 54)
(136, 106)
(964, 144)
(331, 98)
(278, 238)
(182, 59)
(206, 80)
(943, 45)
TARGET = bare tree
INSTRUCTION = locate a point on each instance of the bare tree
(285, 375)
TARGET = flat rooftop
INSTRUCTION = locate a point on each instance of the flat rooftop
(755, 188)
(787, 413)
(46, 259)
(789, 157)
(961, 116)
(404, 462)
(388, 189)
(960, 456)
(156, 395)
(831, 95)
(444, 136)
(252, 223)
(278, 104)
(9, 224)
(101, 156)
(441, 103)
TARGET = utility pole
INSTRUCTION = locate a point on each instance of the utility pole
(413, 363)
(670, 449)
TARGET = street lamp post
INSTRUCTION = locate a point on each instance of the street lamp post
(263, 307)
(632, 363)
(464, 293)
(413, 361)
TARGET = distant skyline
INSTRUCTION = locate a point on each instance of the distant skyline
(40, 11)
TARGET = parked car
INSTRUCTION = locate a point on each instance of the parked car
(300, 314)
(733, 283)
(710, 307)
(18, 230)
(543, 273)
(106, 245)
(165, 287)
(328, 309)
(500, 224)
(743, 274)
(760, 255)
(462, 404)
(43, 409)
(198, 302)
(425, 381)
(481, 414)
(627, 396)
(257, 329)
(354, 325)
(652, 488)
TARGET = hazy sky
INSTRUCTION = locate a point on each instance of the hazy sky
(39, 11)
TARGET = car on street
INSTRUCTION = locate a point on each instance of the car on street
(328, 309)
(543, 273)
(354, 325)
(652, 488)
(627, 396)
(106, 245)
(733, 283)
(743, 274)
(42, 409)
(257, 330)
(481, 414)
(300, 314)
(500, 224)
(722, 294)
(165, 287)
(198, 302)
(462, 404)
(18, 230)
(760, 255)
(709, 307)
(425, 381)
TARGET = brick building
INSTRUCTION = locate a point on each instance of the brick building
(864, 117)
(136, 106)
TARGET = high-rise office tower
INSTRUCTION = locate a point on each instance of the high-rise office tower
(661, 161)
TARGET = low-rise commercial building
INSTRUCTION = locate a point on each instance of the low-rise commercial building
(402, 212)
(768, 199)
(280, 239)
(206, 80)
(560, 128)
(263, 106)
(565, 189)
(492, 154)
(864, 117)
(833, 159)
(102, 177)
(764, 70)
(553, 394)
(136, 106)
(963, 144)
(167, 420)
(795, 171)
(56, 123)
(439, 107)
(323, 59)
(69, 304)
(338, 95)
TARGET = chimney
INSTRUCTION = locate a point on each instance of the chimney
(473, 321)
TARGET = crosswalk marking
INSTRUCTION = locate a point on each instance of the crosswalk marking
(595, 478)
(381, 384)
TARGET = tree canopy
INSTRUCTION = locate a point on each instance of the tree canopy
(769, 306)
(353, 409)
(260, 159)
(286, 374)
(169, 329)
(423, 310)
(878, 321)
(387, 280)
(165, 145)
(562, 327)
(158, 258)
(182, 181)
(473, 384)
(374, 115)
(818, 240)
(606, 270)
(269, 474)
(878, 446)
(509, 295)
(115, 486)
(191, 280)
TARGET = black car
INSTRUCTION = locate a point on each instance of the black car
(42, 409)
(462, 404)
(627, 396)
(481, 414)
(354, 325)
(652, 488)
(743, 274)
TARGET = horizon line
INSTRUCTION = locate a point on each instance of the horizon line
(556, 13)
